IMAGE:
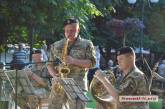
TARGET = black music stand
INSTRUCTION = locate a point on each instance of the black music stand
(73, 90)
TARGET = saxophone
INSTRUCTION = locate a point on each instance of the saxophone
(99, 92)
(63, 69)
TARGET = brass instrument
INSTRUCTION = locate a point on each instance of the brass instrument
(63, 69)
(99, 92)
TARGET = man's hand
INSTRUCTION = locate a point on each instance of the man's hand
(69, 60)
(99, 75)
(157, 76)
(55, 79)
(85, 63)
(52, 71)
(28, 72)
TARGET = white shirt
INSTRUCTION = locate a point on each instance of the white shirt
(161, 70)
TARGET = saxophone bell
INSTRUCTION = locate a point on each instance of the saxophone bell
(64, 71)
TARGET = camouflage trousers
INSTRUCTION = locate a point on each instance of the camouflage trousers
(59, 100)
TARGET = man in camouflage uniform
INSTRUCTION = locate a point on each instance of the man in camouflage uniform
(81, 55)
(134, 82)
(38, 76)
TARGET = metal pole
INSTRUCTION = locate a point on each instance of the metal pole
(5, 53)
(0, 56)
(16, 86)
(31, 42)
(142, 31)
(124, 40)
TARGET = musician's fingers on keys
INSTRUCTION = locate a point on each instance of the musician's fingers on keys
(99, 75)
(28, 72)
(96, 75)
(56, 79)
(27, 69)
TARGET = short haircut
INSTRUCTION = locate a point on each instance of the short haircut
(38, 51)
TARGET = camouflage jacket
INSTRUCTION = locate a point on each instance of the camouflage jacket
(81, 49)
(42, 72)
(135, 84)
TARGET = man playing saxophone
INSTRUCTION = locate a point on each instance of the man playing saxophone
(134, 82)
(79, 56)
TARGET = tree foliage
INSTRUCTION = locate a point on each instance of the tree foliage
(153, 20)
(45, 17)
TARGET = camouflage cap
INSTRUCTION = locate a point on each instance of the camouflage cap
(125, 50)
(70, 21)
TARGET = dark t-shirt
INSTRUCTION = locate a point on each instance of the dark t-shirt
(90, 74)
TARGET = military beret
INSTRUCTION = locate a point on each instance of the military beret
(70, 21)
(37, 51)
(125, 50)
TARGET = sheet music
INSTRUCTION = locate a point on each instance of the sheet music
(23, 82)
(72, 89)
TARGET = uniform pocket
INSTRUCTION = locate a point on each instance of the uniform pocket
(78, 53)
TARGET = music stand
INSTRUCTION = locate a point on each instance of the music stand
(4, 91)
(73, 90)
(2, 85)
(23, 82)
(19, 82)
